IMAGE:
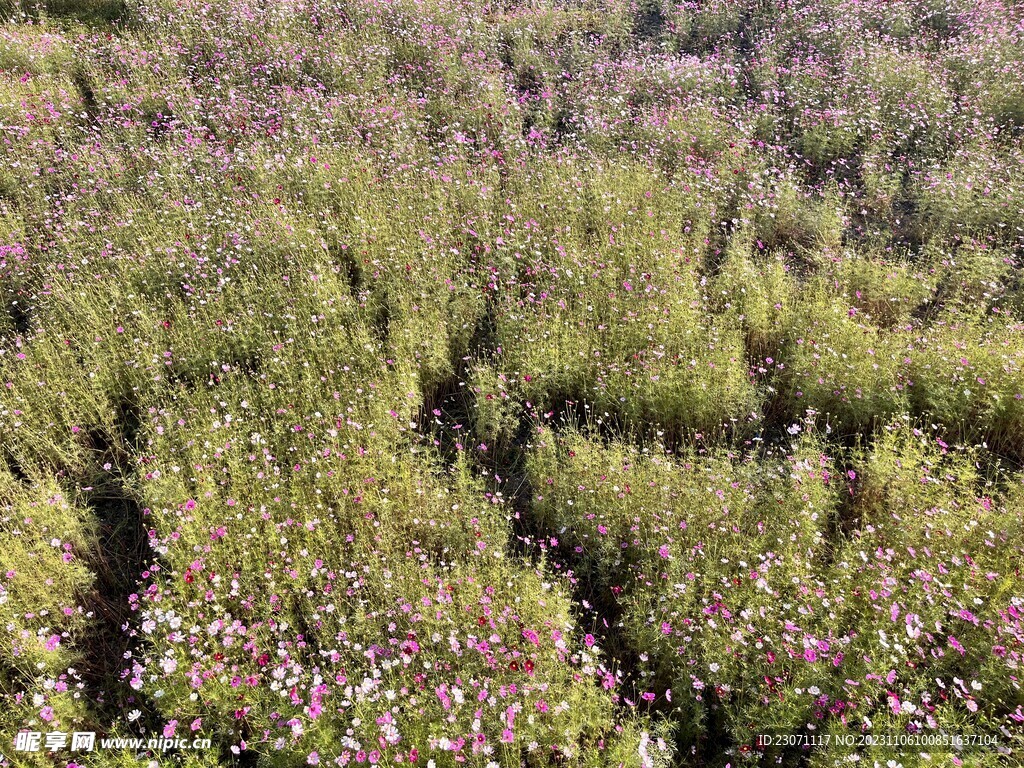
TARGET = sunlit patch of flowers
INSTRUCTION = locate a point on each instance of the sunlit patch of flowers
(512, 384)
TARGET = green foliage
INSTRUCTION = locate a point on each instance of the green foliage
(45, 585)
(548, 384)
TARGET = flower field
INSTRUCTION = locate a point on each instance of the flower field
(550, 384)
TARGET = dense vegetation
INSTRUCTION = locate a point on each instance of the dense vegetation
(565, 383)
